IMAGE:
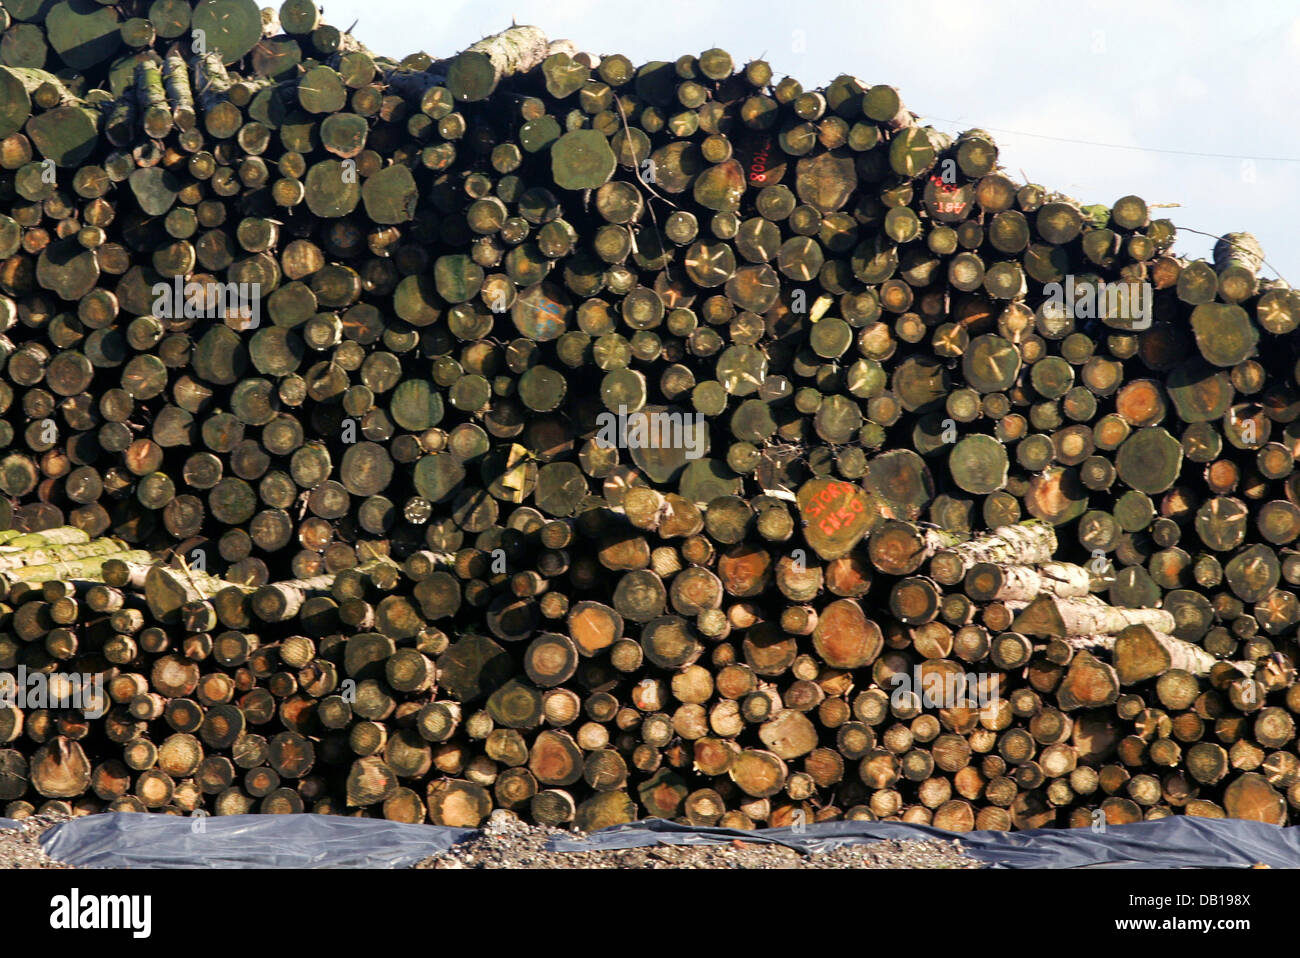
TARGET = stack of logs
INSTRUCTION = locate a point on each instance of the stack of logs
(345, 525)
(303, 694)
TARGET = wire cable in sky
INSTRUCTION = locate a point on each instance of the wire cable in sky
(1122, 146)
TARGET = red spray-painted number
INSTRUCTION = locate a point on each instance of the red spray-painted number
(830, 513)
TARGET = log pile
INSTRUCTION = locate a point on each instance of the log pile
(531, 429)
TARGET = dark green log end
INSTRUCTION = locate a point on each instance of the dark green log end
(582, 160)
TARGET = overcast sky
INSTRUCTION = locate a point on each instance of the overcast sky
(1195, 77)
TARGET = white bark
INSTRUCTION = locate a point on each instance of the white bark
(1089, 615)
(1184, 655)
(64, 535)
(1090, 642)
(1062, 579)
(1026, 543)
(20, 558)
(87, 568)
(292, 596)
(512, 51)
(941, 540)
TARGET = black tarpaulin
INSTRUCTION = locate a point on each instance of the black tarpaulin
(327, 841)
(1176, 842)
(125, 840)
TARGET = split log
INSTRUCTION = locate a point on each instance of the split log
(1140, 653)
(1047, 617)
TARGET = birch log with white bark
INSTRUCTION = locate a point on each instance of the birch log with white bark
(1026, 543)
(1048, 616)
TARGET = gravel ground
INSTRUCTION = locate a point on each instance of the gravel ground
(507, 842)
(20, 847)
